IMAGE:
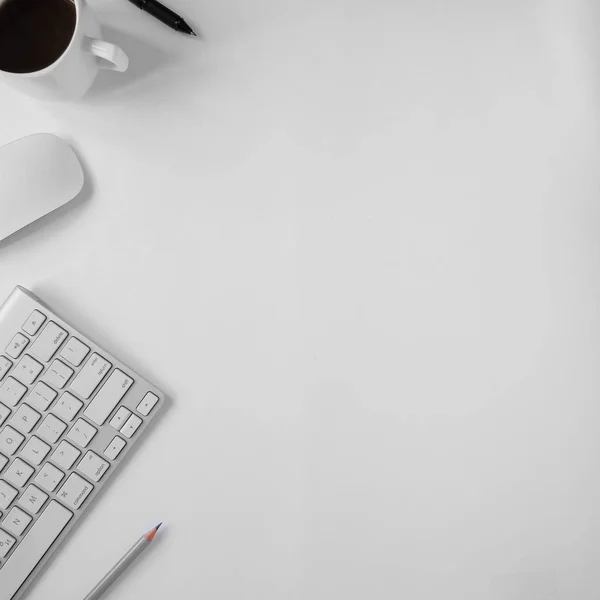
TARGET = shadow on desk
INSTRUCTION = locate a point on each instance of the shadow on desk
(144, 60)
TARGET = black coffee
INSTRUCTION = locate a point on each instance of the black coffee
(34, 33)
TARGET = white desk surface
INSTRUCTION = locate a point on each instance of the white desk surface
(358, 245)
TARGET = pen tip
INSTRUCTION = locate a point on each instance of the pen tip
(185, 28)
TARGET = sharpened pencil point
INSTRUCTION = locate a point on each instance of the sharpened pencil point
(150, 535)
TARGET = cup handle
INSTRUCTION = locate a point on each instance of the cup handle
(115, 58)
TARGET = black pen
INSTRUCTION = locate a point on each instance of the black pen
(164, 14)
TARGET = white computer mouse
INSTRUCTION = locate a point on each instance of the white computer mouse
(38, 174)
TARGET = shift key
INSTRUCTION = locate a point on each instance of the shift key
(88, 379)
(108, 397)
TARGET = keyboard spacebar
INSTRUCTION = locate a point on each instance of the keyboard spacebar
(32, 549)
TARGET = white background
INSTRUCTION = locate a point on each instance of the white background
(358, 245)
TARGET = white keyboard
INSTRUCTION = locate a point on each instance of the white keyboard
(69, 413)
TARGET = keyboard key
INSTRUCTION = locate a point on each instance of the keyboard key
(10, 440)
(25, 419)
(32, 548)
(19, 473)
(33, 324)
(3, 462)
(35, 451)
(5, 365)
(131, 426)
(51, 429)
(93, 466)
(90, 376)
(49, 477)
(48, 342)
(147, 404)
(16, 521)
(6, 543)
(67, 407)
(108, 397)
(114, 448)
(65, 455)
(4, 412)
(120, 418)
(82, 433)
(58, 374)
(11, 391)
(28, 370)
(75, 490)
(42, 396)
(17, 345)
(7, 494)
(33, 499)
(74, 351)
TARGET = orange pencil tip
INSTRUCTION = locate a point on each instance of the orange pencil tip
(150, 535)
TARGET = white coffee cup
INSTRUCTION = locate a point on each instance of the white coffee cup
(74, 72)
